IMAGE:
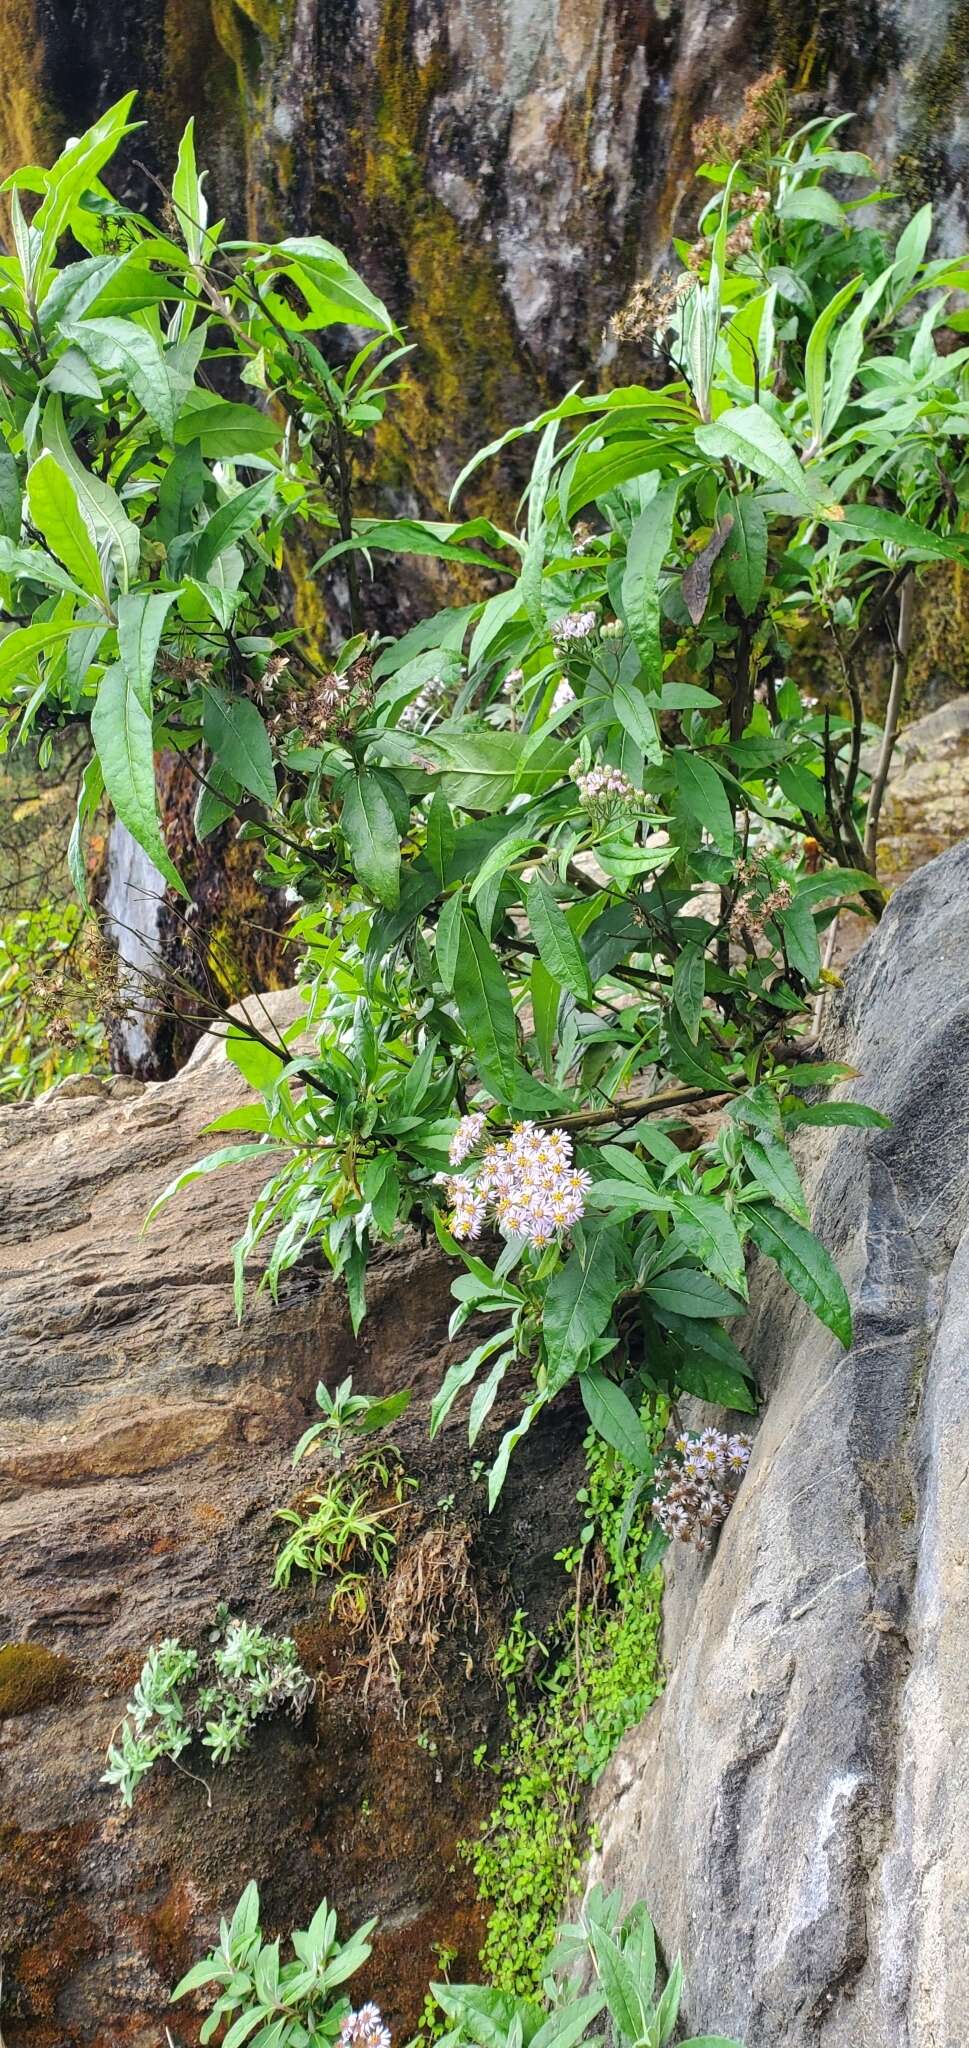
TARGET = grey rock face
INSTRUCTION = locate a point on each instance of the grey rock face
(796, 1811)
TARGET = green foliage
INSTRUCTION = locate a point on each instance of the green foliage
(49, 1026)
(346, 1414)
(297, 2004)
(350, 1525)
(617, 1954)
(549, 846)
(179, 1698)
(341, 1530)
(597, 1674)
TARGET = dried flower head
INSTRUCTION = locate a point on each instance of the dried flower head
(696, 1484)
(649, 308)
(758, 899)
(760, 127)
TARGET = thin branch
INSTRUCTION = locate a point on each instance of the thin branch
(903, 642)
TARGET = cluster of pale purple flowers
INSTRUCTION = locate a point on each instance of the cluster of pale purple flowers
(564, 694)
(696, 1485)
(365, 2029)
(575, 626)
(529, 1183)
(604, 788)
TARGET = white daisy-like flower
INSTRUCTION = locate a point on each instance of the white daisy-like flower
(466, 1137)
(529, 1182)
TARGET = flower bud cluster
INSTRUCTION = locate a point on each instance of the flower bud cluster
(696, 1484)
(529, 1184)
(575, 626)
(365, 2029)
(605, 789)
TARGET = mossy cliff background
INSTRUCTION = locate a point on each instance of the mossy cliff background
(501, 170)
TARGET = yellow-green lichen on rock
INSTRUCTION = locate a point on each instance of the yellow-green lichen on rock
(31, 1676)
(26, 122)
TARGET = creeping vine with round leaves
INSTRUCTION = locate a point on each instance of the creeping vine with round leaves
(566, 857)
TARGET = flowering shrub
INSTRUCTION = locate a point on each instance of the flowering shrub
(564, 855)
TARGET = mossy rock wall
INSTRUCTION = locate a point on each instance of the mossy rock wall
(500, 171)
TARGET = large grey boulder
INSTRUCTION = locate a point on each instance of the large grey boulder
(796, 1811)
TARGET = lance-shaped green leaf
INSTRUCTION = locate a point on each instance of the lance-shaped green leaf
(612, 1413)
(73, 174)
(55, 512)
(121, 731)
(101, 509)
(441, 835)
(235, 732)
(10, 502)
(19, 649)
(579, 1300)
(88, 799)
(748, 434)
(230, 522)
(485, 1008)
(713, 1236)
(557, 944)
(141, 619)
(649, 544)
(634, 710)
(776, 1174)
(689, 983)
(187, 196)
(816, 353)
(370, 830)
(546, 995)
(342, 295)
(703, 796)
(804, 1263)
(875, 522)
(120, 348)
(745, 550)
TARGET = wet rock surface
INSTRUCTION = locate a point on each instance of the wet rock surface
(145, 1441)
(796, 1810)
